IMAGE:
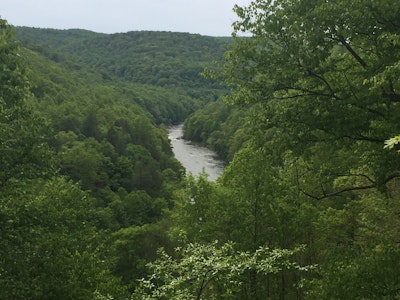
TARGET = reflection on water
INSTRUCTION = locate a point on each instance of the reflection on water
(194, 157)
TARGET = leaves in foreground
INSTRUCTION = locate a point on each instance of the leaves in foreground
(210, 271)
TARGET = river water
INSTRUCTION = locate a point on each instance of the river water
(193, 157)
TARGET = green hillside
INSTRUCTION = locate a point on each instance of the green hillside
(167, 59)
(106, 134)
(93, 204)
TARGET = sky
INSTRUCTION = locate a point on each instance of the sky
(206, 17)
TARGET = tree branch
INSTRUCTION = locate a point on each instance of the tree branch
(339, 192)
(350, 189)
(351, 50)
(343, 41)
(392, 95)
(391, 177)
(364, 138)
(306, 92)
(312, 73)
(204, 283)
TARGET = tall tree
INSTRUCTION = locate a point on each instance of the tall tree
(322, 72)
(23, 151)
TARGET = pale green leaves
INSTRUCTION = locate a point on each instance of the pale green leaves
(392, 142)
(210, 271)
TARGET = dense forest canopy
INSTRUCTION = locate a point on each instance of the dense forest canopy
(100, 141)
(167, 59)
(305, 108)
(321, 83)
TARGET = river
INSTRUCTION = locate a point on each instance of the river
(193, 157)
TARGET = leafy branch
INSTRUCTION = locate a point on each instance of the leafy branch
(204, 270)
(392, 142)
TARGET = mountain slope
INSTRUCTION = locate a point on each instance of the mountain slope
(167, 59)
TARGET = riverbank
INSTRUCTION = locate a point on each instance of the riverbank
(194, 158)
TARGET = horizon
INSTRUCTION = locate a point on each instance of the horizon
(104, 33)
(205, 17)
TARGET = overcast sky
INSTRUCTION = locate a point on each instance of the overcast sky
(206, 17)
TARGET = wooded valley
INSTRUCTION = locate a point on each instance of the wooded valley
(303, 104)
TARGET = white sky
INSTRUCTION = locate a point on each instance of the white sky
(207, 17)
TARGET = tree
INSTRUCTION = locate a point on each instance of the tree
(51, 248)
(252, 207)
(323, 79)
(358, 250)
(90, 126)
(84, 161)
(210, 271)
(134, 247)
(15, 84)
(321, 73)
(23, 136)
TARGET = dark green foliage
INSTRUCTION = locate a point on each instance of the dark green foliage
(324, 79)
(220, 127)
(167, 59)
(105, 139)
(315, 93)
(90, 126)
(135, 246)
(22, 133)
(50, 246)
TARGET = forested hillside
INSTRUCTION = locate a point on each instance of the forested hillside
(87, 168)
(167, 59)
(305, 108)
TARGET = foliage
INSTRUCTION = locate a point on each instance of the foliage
(50, 246)
(253, 207)
(392, 142)
(314, 95)
(361, 253)
(315, 78)
(106, 141)
(324, 79)
(134, 247)
(166, 59)
(23, 152)
(209, 271)
(219, 127)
